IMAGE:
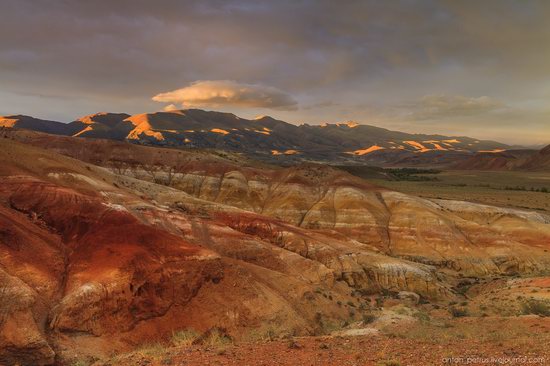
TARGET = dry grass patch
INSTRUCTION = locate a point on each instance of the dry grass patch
(153, 350)
(184, 338)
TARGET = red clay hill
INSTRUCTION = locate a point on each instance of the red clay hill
(106, 246)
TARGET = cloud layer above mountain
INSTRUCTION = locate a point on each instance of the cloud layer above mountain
(223, 93)
(357, 59)
(443, 106)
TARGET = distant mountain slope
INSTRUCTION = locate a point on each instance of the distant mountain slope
(502, 160)
(538, 161)
(103, 125)
(35, 124)
(267, 138)
(507, 160)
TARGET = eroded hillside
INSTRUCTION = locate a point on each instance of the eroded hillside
(126, 244)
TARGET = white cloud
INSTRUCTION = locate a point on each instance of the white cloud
(219, 93)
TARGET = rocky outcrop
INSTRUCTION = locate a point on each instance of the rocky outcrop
(22, 340)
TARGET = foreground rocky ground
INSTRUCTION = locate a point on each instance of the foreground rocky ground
(107, 248)
(488, 341)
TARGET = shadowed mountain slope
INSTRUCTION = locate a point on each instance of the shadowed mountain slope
(267, 138)
(538, 161)
(507, 160)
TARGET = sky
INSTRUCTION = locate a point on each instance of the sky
(475, 68)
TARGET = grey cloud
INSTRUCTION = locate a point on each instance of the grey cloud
(319, 105)
(445, 106)
(116, 54)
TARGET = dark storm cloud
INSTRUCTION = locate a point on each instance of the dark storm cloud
(362, 57)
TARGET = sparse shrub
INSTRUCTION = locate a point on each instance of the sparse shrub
(385, 292)
(216, 338)
(154, 350)
(368, 318)
(319, 319)
(184, 337)
(292, 344)
(350, 303)
(167, 361)
(422, 316)
(270, 334)
(458, 312)
(537, 307)
(402, 311)
(463, 289)
(388, 363)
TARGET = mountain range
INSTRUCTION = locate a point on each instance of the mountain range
(268, 139)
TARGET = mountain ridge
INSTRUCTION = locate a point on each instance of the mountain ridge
(267, 138)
